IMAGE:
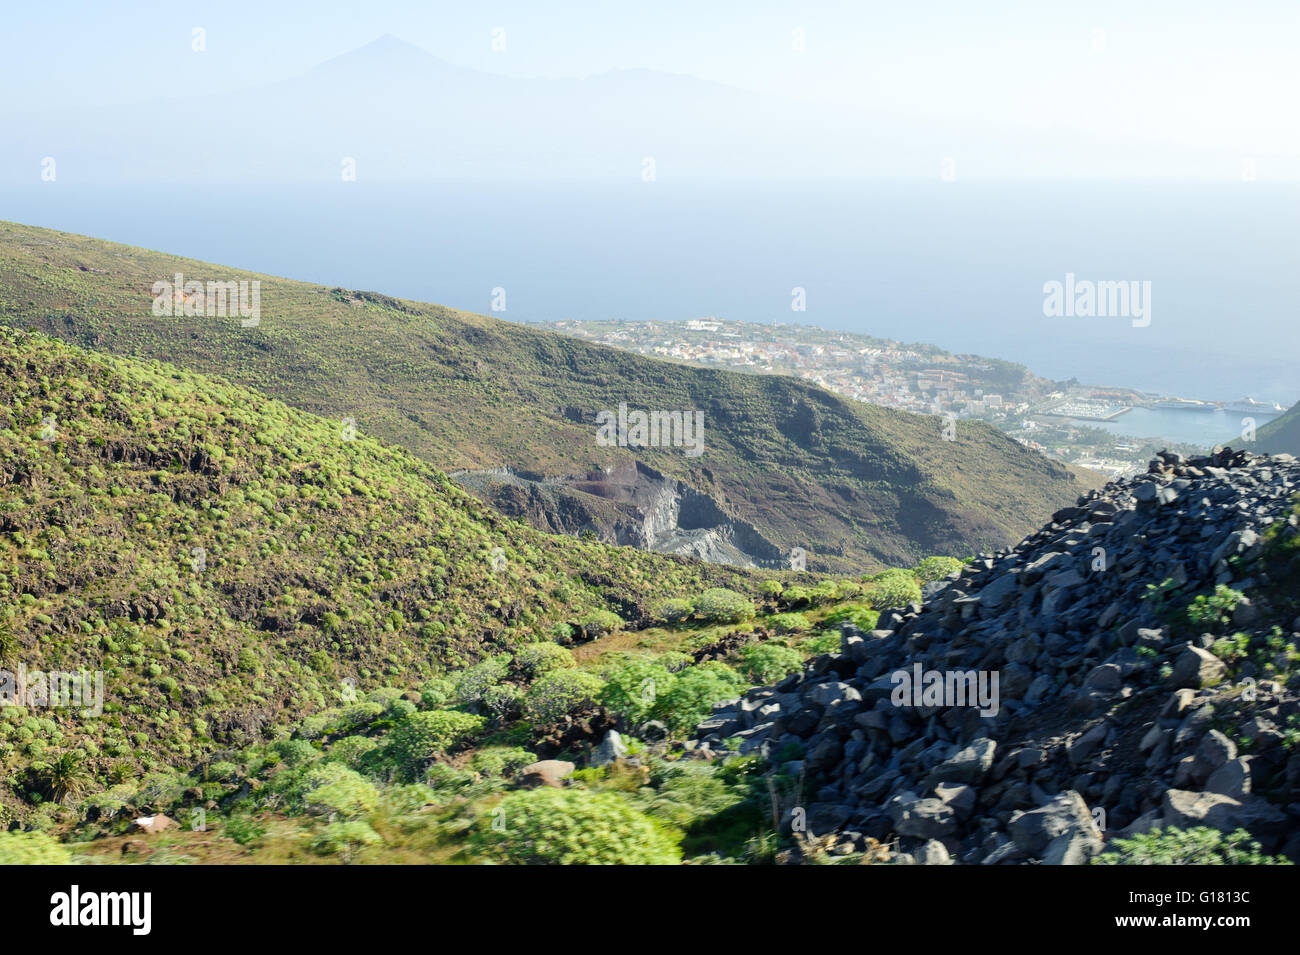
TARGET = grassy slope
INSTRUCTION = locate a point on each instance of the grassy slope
(324, 559)
(855, 485)
(1281, 435)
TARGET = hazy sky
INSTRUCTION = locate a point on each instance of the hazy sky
(1217, 75)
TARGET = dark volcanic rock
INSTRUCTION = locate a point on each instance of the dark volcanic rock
(1078, 701)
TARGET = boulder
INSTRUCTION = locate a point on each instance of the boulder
(153, 824)
(546, 772)
(1186, 809)
(1194, 667)
(921, 818)
(1067, 814)
(969, 765)
(611, 750)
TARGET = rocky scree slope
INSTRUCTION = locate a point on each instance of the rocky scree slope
(1137, 688)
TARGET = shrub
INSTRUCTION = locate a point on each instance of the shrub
(796, 597)
(1199, 846)
(295, 752)
(597, 623)
(771, 588)
(345, 838)
(672, 610)
(501, 701)
(573, 827)
(359, 714)
(32, 848)
(223, 772)
(936, 568)
(471, 682)
(437, 692)
(536, 659)
(399, 710)
(422, 736)
(1214, 610)
(501, 760)
(632, 685)
(243, 828)
(769, 662)
(561, 692)
(694, 691)
(720, 605)
(351, 750)
(348, 794)
(864, 618)
(894, 588)
(825, 641)
(788, 622)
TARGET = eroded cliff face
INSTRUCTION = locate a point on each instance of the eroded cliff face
(632, 505)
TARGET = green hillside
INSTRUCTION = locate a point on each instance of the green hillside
(789, 464)
(229, 563)
(1281, 435)
(312, 646)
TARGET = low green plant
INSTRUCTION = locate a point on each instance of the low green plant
(1197, 846)
(572, 827)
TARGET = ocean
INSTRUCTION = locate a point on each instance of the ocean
(960, 265)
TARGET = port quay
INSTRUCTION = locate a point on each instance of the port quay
(1091, 409)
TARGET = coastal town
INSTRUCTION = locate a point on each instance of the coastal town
(1064, 420)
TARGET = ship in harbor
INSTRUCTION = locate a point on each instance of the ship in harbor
(1251, 406)
(1182, 404)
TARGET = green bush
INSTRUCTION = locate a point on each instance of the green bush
(422, 736)
(1214, 611)
(347, 794)
(597, 623)
(243, 828)
(472, 681)
(788, 622)
(223, 772)
(351, 750)
(1199, 846)
(892, 589)
(536, 659)
(345, 838)
(672, 610)
(359, 714)
(632, 686)
(769, 662)
(720, 605)
(32, 848)
(864, 618)
(572, 827)
(694, 691)
(936, 568)
(295, 752)
(560, 693)
(437, 692)
(501, 760)
(502, 701)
